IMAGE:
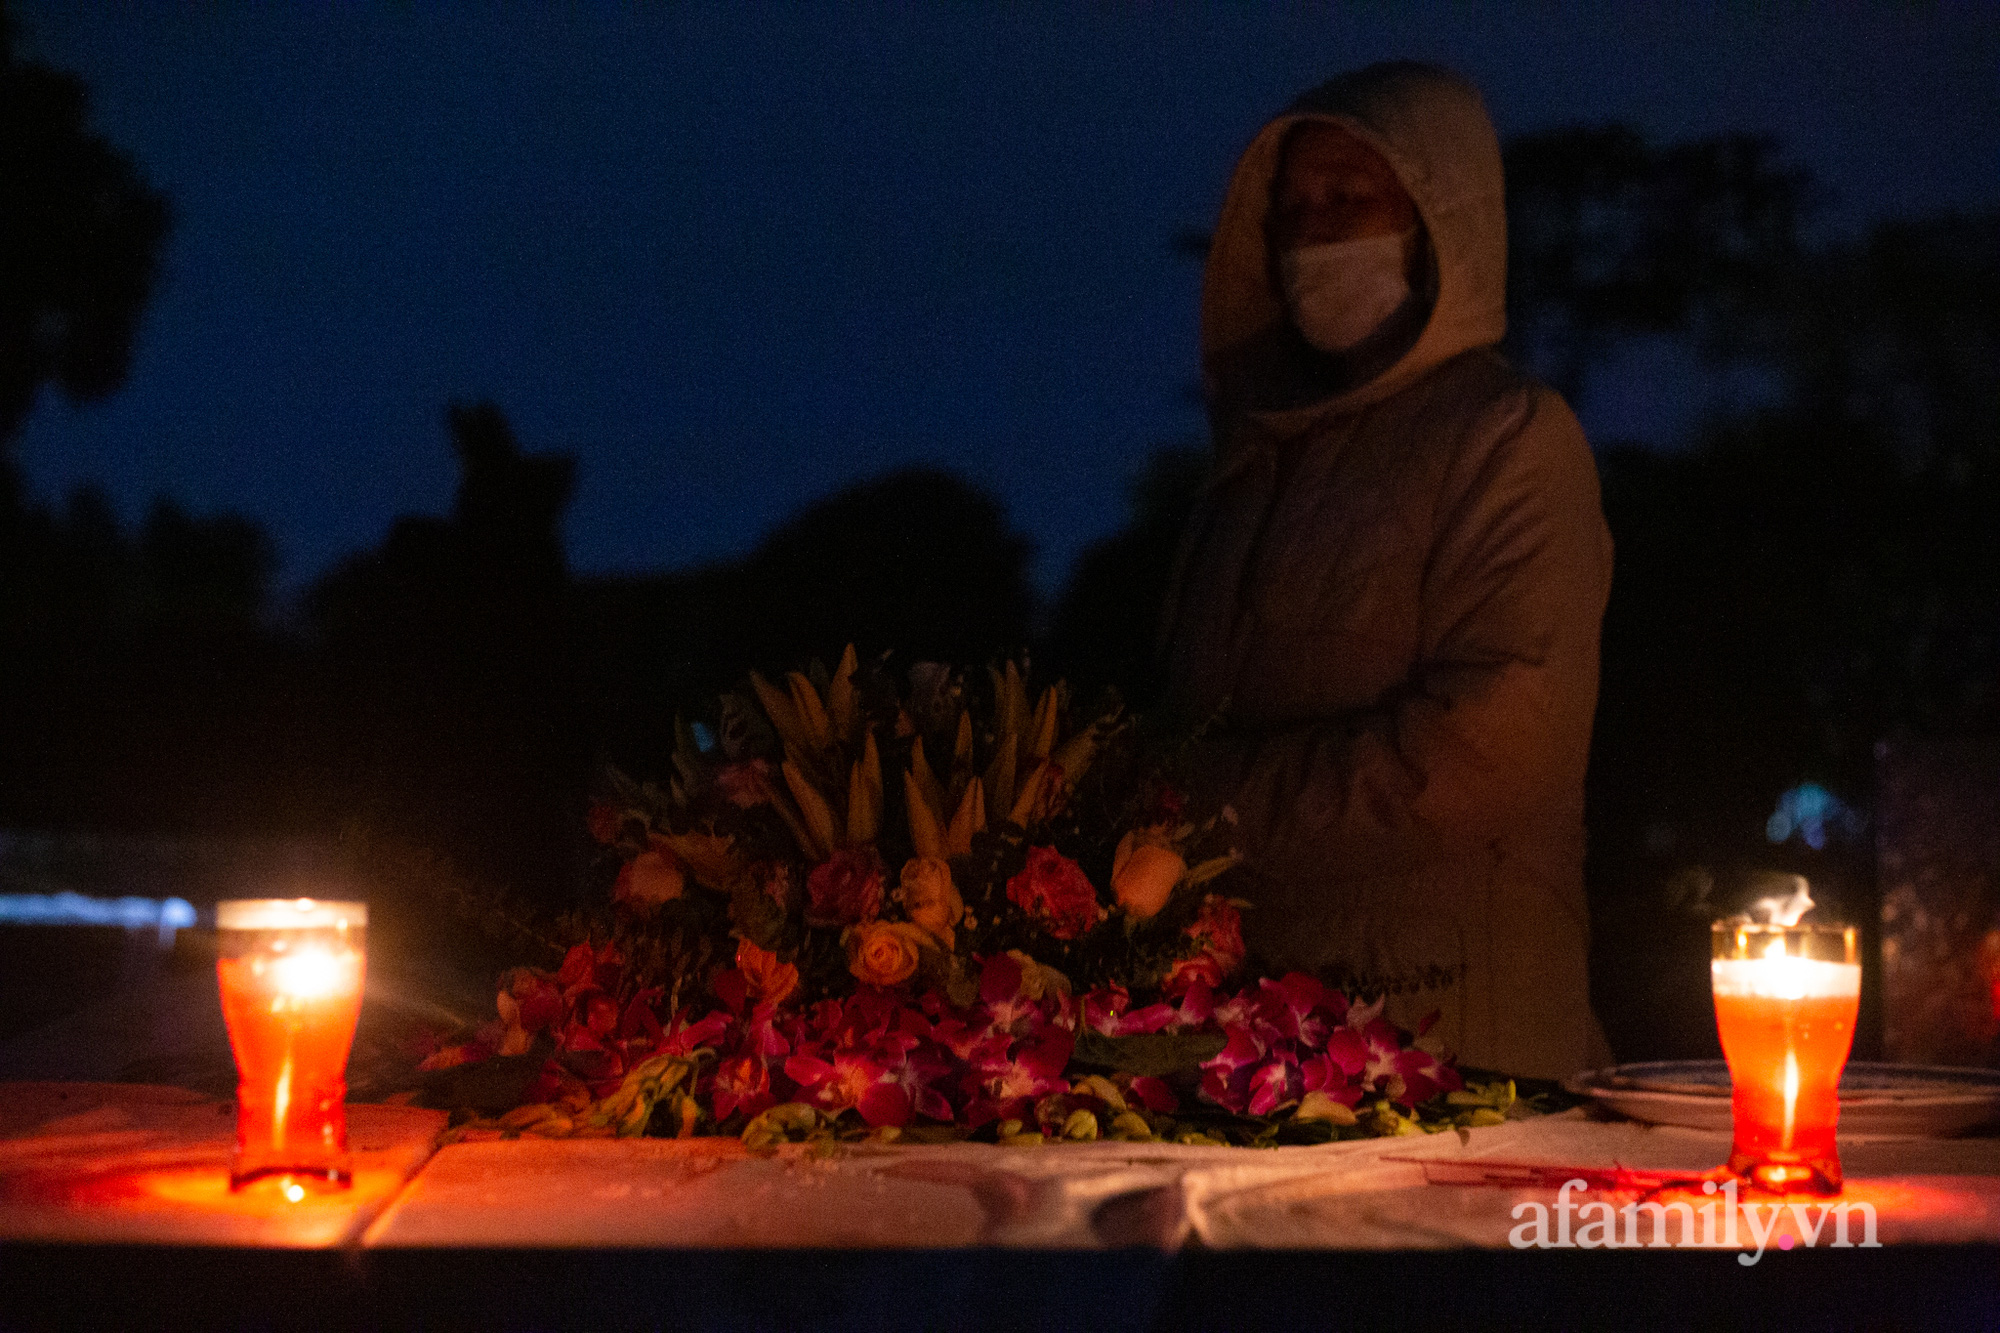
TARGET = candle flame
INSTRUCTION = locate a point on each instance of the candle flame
(282, 1103)
(308, 974)
(1791, 1096)
(1785, 978)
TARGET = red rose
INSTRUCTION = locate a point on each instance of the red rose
(1218, 939)
(1054, 890)
(846, 889)
(1218, 931)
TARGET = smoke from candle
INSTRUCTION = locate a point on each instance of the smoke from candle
(1784, 909)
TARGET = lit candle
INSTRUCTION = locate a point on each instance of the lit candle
(1785, 1004)
(291, 972)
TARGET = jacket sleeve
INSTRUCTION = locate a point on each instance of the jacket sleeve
(1494, 717)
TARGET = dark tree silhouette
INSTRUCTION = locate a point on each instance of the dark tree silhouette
(139, 671)
(1609, 236)
(80, 237)
(1798, 581)
(918, 561)
(204, 572)
(448, 659)
(1105, 627)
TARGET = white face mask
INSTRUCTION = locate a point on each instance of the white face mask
(1340, 292)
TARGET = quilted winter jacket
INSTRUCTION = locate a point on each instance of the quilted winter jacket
(1392, 591)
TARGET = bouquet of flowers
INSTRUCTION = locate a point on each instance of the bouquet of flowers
(933, 906)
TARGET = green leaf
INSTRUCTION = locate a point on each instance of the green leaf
(1159, 1054)
(786, 1122)
(1319, 1106)
(1131, 1127)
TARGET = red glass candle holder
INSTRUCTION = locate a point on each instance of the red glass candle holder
(1785, 1004)
(291, 972)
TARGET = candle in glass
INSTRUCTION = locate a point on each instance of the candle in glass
(1785, 1004)
(291, 972)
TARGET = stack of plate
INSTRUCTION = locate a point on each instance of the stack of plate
(1889, 1101)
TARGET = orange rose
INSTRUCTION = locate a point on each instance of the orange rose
(768, 980)
(649, 879)
(1144, 872)
(931, 898)
(883, 953)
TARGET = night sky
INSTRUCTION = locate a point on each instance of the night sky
(734, 258)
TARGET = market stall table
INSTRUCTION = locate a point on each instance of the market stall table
(114, 1195)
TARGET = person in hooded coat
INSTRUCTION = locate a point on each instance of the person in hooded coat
(1391, 590)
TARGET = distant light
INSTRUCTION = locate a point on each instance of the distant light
(704, 739)
(1813, 813)
(74, 909)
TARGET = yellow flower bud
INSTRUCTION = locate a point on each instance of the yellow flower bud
(1143, 874)
(932, 899)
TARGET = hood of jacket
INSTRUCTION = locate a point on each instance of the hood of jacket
(1433, 129)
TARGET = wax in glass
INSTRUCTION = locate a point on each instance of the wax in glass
(1785, 1004)
(291, 972)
